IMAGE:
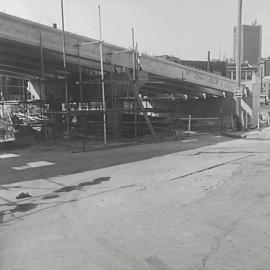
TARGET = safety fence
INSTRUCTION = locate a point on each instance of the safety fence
(48, 123)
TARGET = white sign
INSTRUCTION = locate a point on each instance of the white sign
(238, 92)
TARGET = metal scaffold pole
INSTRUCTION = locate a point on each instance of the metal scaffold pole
(43, 86)
(81, 95)
(134, 82)
(102, 79)
(80, 74)
(2, 110)
(238, 60)
(65, 69)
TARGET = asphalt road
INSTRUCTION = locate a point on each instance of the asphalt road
(203, 208)
(65, 162)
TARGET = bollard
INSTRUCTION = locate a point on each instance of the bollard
(189, 123)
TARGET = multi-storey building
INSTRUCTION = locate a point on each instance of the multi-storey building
(251, 47)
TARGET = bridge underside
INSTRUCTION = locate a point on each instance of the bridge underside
(165, 99)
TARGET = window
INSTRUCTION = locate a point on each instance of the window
(243, 75)
(249, 75)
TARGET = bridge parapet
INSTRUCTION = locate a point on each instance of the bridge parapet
(174, 70)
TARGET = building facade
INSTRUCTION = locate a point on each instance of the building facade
(251, 47)
(247, 71)
(266, 67)
(266, 86)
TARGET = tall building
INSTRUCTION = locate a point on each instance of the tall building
(267, 66)
(251, 49)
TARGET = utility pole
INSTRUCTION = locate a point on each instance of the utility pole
(65, 71)
(102, 80)
(238, 63)
(134, 56)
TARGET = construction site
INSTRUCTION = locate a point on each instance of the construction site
(114, 158)
(59, 87)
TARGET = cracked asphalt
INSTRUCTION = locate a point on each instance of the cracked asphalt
(201, 208)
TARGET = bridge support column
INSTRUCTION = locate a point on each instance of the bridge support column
(251, 103)
(255, 100)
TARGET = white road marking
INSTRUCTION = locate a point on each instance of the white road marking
(191, 140)
(9, 155)
(34, 165)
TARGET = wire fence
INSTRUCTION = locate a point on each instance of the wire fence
(48, 123)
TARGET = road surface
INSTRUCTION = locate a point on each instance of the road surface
(66, 162)
(204, 208)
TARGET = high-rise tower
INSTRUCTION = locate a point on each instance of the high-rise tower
(251, 48)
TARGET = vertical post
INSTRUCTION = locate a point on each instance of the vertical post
(208, 61)
(258, 120)
(189, 124)
(243, 117)
(102, 79)
(2, 110)
(134, 82)
(65, 70)
(43, 87)
(238, 60)
(80, 74)
(81, 96)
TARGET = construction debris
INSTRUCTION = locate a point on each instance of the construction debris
(23, 195)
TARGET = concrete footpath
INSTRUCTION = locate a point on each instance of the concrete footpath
(206, 208)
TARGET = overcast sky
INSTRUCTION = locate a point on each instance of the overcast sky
(184, 28)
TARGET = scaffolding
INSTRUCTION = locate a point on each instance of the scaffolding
(111, 105)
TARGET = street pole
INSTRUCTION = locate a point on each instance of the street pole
(80, 74)
(238, 63)
(65, 71)
(102, 79)
(134, 83)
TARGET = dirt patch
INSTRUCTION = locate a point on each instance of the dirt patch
(24, 207)
(96, 181)
(83, 184)
(66, 189)
(50, 196)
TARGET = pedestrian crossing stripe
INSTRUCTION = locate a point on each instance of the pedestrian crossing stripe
(10, 155)
(33, 165)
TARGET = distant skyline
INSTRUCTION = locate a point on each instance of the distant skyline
(184, 28)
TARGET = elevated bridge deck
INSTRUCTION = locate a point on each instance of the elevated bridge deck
(20, 42)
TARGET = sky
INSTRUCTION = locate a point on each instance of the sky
(184, 28)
